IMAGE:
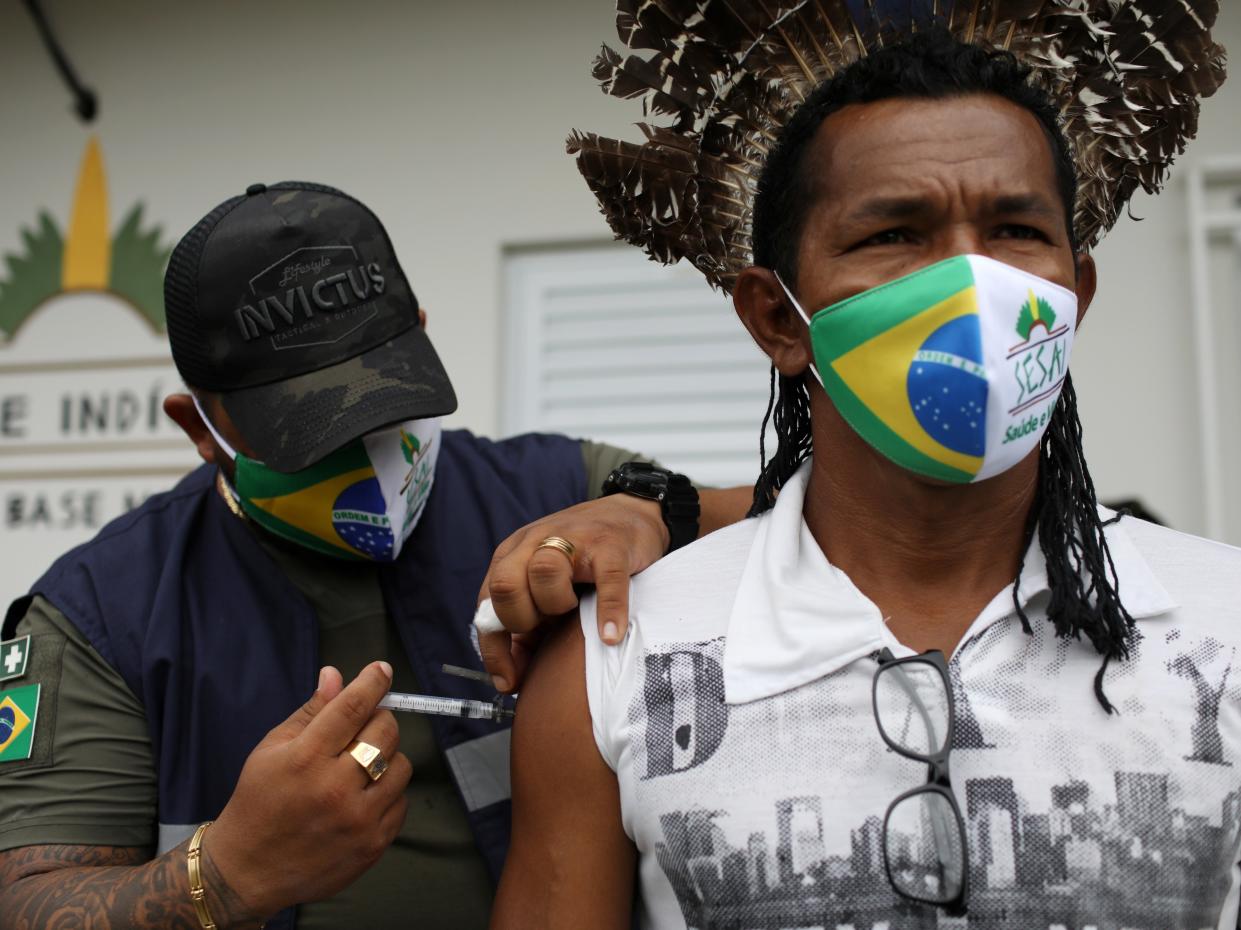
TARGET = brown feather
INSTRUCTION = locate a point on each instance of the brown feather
(1126, 75)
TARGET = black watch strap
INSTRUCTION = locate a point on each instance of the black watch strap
(676, 494)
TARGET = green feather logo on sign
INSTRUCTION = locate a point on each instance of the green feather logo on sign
(128, 265)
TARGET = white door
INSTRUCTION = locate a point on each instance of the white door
(603, 344)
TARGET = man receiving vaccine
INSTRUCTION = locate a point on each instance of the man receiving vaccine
(932, 683)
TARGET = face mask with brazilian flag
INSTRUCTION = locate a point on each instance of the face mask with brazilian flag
(361, 502)
(953, 371)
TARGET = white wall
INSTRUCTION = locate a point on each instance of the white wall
(1134, 361)
(449, 119)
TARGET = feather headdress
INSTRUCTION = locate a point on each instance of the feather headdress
(723, 76)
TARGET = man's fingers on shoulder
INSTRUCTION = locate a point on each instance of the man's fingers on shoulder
(498, 559)
(510, 595)
(549, 565)
(551, 582)
(505, 548)
(505, 587)
(496, 649)
(611, 598)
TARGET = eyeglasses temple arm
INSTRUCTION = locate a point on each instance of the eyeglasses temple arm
(915, 699)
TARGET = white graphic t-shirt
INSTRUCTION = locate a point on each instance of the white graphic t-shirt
(737, 715)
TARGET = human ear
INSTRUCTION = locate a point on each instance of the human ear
(1087, 280)
(766, 312)
(181, 410)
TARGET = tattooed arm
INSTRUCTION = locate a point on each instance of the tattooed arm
(304, 821)
(109, 886)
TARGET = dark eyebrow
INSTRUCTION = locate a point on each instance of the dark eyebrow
(1026, 203)
(887, 208)
(896, 209)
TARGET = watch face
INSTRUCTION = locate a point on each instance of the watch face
(639, 479)
(649, 484)
(676, 494)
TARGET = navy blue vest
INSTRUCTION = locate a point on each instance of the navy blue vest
(219, 646)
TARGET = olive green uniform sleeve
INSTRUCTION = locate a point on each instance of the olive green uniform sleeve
(601, 459)
(90, 779)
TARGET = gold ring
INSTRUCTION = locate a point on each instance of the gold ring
(560, 544)
(370, 758)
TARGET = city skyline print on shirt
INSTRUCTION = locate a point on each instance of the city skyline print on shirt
(1132, 861)
(1074, 821)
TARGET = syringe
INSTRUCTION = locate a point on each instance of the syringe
(445, 706)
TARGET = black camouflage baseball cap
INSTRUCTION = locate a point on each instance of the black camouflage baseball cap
(289, 302)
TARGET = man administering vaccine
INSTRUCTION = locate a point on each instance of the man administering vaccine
(184, 751)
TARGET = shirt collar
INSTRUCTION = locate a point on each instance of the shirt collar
(797, 617)
(1140, 590)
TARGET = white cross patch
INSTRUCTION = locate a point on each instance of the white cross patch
(13, 656)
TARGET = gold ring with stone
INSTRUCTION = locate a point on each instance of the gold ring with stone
(370, 758)
(560, 544)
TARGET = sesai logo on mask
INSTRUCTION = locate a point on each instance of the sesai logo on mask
(417, 484)
(375, 515)
(1039, 364)
(361, 515)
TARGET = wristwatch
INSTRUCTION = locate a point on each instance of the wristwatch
(677, 497)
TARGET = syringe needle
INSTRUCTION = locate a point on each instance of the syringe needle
(472, 674)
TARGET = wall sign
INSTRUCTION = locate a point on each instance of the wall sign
(84, 368)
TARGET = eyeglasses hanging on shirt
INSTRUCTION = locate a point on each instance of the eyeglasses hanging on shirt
(925, 852)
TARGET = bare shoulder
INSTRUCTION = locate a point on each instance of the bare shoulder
(555, 684)
(570, 864)
(553, 743)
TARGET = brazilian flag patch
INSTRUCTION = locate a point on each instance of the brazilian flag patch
(19, 710)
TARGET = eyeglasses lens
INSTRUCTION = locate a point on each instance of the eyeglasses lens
(911, 703)
(924, 845)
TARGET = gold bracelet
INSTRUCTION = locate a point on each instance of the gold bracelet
(198, 894)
